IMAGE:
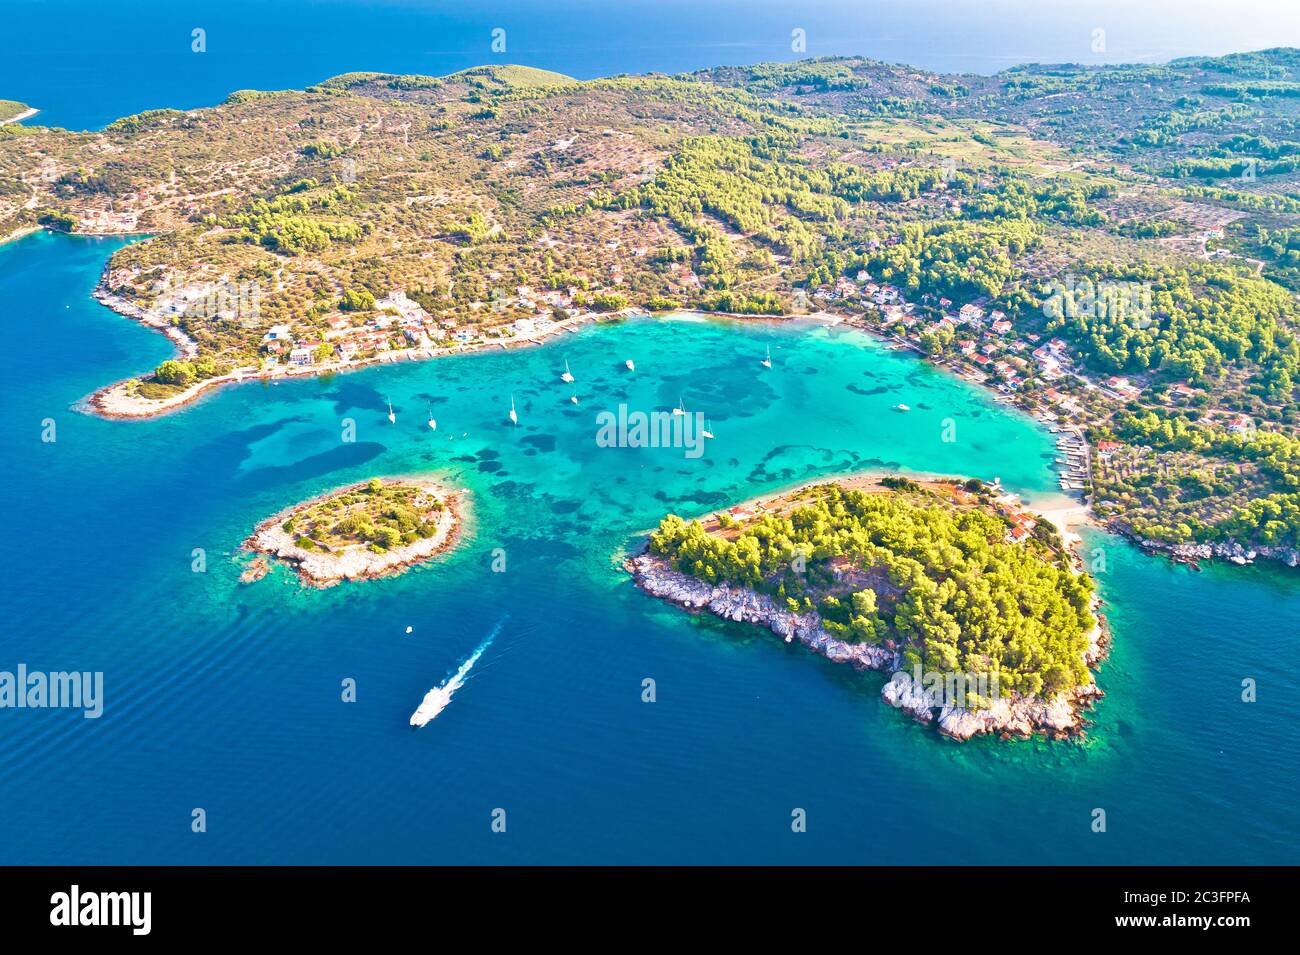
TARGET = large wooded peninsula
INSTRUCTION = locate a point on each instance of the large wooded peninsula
(924, 581)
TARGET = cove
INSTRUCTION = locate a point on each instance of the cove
(226, 697)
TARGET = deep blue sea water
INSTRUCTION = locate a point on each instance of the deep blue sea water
(87, 62)
(227, 697)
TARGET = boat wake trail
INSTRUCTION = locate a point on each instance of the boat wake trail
(436, 700)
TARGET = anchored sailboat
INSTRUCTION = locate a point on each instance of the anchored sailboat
(392, 418)
(567, 377)
(433, 425)
(767, 362)
(514, 415)
(681, 406)
(631, 365)
(705, 432)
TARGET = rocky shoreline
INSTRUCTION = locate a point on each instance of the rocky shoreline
(188, 347)
(1017, 716)
(1231, 551)
(323, 570)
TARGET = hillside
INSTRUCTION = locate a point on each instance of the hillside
(11, 110)
(1094, 242)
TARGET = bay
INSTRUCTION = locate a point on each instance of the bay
(228, 697)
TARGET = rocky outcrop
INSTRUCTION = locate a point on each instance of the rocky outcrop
(1017, 715)
(1231, 551)
(256, 569)
(105, 296)
(1014, 716)
(656, 577)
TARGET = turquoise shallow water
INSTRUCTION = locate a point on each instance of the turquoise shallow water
(227, 697)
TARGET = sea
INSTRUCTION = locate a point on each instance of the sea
(85, 63)
(266, 722)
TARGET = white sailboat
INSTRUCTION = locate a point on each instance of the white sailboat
(567, 377)
(433, 425)
(767, 362)
(705, 432)
(681, 406)
(392, 418)
(514, 415)
(573, 398)
(631, 365)
(901, 407)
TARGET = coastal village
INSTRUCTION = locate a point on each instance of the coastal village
(392, 327)
(1035, 373)
(400, 325)
(985, 347)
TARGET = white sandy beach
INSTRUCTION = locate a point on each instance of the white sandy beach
(20, 117)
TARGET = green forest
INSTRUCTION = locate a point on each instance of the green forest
(945, 587)
(1269, 514)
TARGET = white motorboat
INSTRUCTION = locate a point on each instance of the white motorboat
(435, 701)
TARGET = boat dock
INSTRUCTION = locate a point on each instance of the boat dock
(1074, 459)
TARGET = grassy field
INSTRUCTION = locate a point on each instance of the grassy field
(10, 109)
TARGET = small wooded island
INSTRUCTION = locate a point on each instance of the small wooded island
(376, 528)
(978, 610)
